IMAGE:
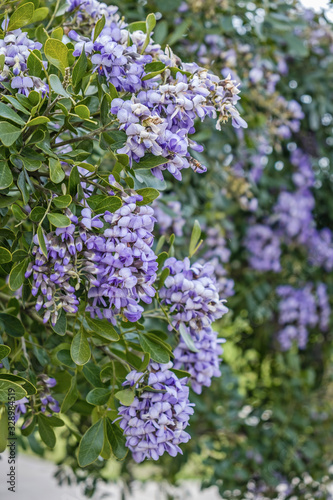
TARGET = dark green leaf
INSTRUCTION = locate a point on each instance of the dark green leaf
(79, 68)
(148, 194)
(91, 444)
(9, 114)
(80, 349)
(102, 328)
(5, 255)
(61, 325)
(8, 133)
(157, 352)
(8, 388)
(116, 439)
(6, 177)
(99, 26)
(4, 351)
(46, 432)
(98, 396)
(70, 397)
(16, 276)
(59, 220)
(27, 386)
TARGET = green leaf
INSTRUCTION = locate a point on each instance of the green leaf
(101, 203)
(16, 276)
(98, 396)
(79, 68)
(164, 274)
(46, 432)
(80, 349)
(35, 64)
(92, 374)
(55, 421)
(61, 325)
(27, 386)
(6, 177)
(19, 255)
(70, 397)
(126, 397)
(17, 212)
(150, 161)
(9, 114)
(39, 120)
(37, 214)
(14, 102)
(5, 255)
(195, 237)
(39, 15)
(21, 16)
(180, 373)
(116, 439)
(149, 195)
(91, 444)
(41, 240)
(154, 66)
(56, 172)
(59, 220)
(57, 87)
(8, 133)
(157, 352)
(74, 181)
(186, 336)
(11, 325)
(137, 26)
(4, 351)
(99, 26)
(8, 388)
(62, 201)
(103, 329)
(65, 358)
(57, 33)
(57, 54)
(150, 25)
(23, 187)
(82, 111)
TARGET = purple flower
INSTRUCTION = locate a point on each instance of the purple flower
(263, 247)
(155, 422)
(20, 408)
(202, 365)
(191, 294)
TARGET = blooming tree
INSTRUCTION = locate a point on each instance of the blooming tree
(97, 323)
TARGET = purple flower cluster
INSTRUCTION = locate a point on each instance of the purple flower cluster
(301, 309)
(46, 383)
(110, 255)
(156, 420)
(16, 47)
(204, 364)
(159, 117)
(263, 246)
(194, 303)
(191, 294)
(92, 10)
(160, 120)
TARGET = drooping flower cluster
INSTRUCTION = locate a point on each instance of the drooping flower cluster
(109, 255)
(16, 46)
(191, 294)
(155, 422)
(44, 384)
(264, 249)
(194, 303)
(301, 309)
(159, 117)
(203, 365)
